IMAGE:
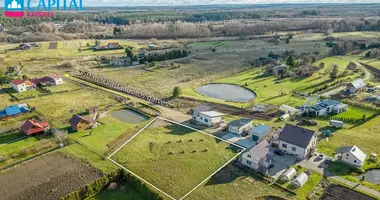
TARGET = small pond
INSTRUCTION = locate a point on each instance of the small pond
(128, 116)
(372, 176)
(226, 92)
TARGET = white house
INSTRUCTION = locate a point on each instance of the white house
(208, 118)
(58, 80)
(123, 61)
(355, 86)
(297, 141)
(327, 106)
(258, 157)
(352, 155)
(240, 126)
(22, 85)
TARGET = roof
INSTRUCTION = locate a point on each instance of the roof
(296, 135)
(42, 80)
(246, 142)
(358, 83)
(114, 43)
(29, 83)
(76, 119)
(261, 151)
(260, 130)
(240, 122)
(55, 75)
(18, 81)
(212, 113)
(12, 110)
(354, 150)
(92, 108)
(203, 108)
(286, 109)
(32, 126)
(325, 103)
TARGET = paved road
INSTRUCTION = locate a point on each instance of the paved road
(366, 77)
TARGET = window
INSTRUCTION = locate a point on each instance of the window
(285, 145)
(347, 154)
(249, 155)
(354, 161)
(293, 148)
(206, 120)
(249, 162)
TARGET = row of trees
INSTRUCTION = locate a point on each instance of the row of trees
(168, 55)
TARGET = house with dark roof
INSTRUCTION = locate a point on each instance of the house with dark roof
(297, 141)
(240, 126)
(355, 86)
(80, 123)
(258, 157)
(327, 106)
(31, 127)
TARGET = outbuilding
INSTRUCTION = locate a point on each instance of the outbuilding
(336, 123)
(300, 180)
(259, 131)
(288, 175)
(285, 117)
(240, 126)
(208, 118)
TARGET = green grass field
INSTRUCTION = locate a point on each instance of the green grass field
(173, 158)
(125, 191)
(356, 112)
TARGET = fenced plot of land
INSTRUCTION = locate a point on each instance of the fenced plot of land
(49, 177)
(174, 158)
(337, 192)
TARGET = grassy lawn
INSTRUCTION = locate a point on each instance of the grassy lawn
(9, 137)
(125, 191)
(66, 86)
(110, 129)
(33, 93)
(4, 99)
(59, 108)
(173, 158)
(356, 112)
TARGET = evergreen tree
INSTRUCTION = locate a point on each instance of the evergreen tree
(290, 61)
(176, 91)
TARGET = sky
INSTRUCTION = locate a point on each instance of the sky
(196, 2)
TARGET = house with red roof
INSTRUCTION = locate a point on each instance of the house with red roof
(22, 85)
(113, 45)
(58, 80)
(31, 127)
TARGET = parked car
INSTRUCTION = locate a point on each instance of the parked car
(327, 161)
(321, 156)
(278, 152)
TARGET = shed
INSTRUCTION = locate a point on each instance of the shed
(289, 110)
(336, 123)
(259, 131)
(288, 175)
(300, 180)
(285, 117)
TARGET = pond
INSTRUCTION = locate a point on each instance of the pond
(372, 176)
(226, 92)
(128, 116)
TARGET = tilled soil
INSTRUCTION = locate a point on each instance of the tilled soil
(337, 192)
(48, 177)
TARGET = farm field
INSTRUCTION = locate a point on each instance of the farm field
(173, 158)
(334, 192)
(356, 112)
(37, 178)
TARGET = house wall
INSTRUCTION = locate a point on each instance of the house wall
(19, 88)
(351, 159)
(207, 120)
(82, 126)
(299, 152)
(250, 162)
(237, 130)
(58, 81)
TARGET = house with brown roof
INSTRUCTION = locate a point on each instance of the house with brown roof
(22, 85)
(31, 127)
(52, 79)
(80, 123)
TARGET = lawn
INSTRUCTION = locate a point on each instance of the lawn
(66, 86)
(4, 99)
(59, 108)
(172, 157)
(110, 129)
(124, 191)
(356, 112)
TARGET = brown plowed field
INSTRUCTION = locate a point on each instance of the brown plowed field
(337, 192)
(48, 177)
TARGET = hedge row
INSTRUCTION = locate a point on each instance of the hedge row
(361, 105)
(350, 120)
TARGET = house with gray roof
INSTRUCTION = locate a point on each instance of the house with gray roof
(327, 106)
(352, 155)
(240, 126)
(204, 114)
(297, 141)
(355, 86)
(258, 157)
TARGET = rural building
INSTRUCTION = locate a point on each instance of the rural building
(240, 126)
(113, 45)
(355, 86)
(352, 155)
(122, 61)
(336, 123)
(13, 110)
(289, 110)
(31, 127)
(300, 180)
(151, 46)
(297, 141)
(288, 175)
(201, 108)
(327, 106)
(58, 80)
(208, 118)
(259, 131)
(80, 123)
(258, 157)
(52, 79)
(284, 117)
(22, 85)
